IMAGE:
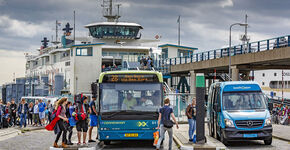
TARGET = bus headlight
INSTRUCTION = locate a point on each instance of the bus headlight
(229, 123)
(268, 122)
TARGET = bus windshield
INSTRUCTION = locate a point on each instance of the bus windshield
(129, 97)
(243, 101)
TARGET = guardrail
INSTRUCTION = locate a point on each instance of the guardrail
(263, 45)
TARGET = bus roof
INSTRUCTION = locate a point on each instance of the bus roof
(159, 75)
(233, 86)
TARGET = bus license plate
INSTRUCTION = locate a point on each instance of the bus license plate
(250, 135)
(131, 134)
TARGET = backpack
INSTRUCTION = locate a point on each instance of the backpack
(167, 123)
(80, 115)
(53, 115)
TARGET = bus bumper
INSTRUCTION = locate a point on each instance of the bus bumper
(233, 134)
(126, 135)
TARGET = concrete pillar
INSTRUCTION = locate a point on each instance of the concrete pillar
(235, 73)
(192, 82)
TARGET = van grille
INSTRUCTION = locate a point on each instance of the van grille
(249, 123)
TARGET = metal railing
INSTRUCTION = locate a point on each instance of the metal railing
(179, 102)
(257, 46)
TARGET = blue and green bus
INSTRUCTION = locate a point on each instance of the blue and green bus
(128, 105)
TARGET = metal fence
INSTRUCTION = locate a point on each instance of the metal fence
(179, 102)
(263, 45)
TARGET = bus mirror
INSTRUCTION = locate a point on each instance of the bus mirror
(94, 88)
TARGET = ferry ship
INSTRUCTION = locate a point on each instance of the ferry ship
(274, 83)
(72, 65)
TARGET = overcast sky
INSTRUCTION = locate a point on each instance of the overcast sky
(204, 23)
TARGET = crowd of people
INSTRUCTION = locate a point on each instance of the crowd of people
(146, 62)
(67, 115)
(281, 114)
(22, 114)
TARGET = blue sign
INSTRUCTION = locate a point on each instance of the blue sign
(242, 87)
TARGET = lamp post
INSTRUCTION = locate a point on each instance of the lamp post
(230, 46)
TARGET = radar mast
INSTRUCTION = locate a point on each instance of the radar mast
(108, 11)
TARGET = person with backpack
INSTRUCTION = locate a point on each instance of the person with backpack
(191, 116)
(165, 124)
(81, 117)
(58, 122)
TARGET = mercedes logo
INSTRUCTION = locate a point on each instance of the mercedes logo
(250, 123)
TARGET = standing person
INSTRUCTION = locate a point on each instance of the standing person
(93, 118)
(69, 110)
(41, 107)
(164, 118)
(30, 113)
(8, 113)
(82, 125)
(1, 112)
(35, 114)
(22, 111)
(58, 123)
(149, 62)
(191, 116)
(142, 62)
(13, 109)
(50, 110)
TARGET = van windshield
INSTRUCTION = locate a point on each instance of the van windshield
(243, 101)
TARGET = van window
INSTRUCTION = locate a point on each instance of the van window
(243, 101)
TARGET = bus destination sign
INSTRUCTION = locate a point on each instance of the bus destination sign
(113, 78)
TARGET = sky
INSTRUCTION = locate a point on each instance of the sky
(204, 23)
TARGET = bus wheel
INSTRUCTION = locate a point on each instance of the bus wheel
(107, 142)
(268, 142)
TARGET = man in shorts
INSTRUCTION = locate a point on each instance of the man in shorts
(82, 125)
(93, 118)
(41, 107)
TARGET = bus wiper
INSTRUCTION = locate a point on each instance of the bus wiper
(115, 113)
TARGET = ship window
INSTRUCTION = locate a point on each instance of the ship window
(263, 74)
(85, 51)
(275, 74)
(118, 31)
(164, 53)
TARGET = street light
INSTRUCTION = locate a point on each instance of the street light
(230, 46)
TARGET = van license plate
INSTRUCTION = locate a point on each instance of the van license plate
(250, 135)
(131, 134)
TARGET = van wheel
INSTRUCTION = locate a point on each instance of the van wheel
(223, 140)
(268, 142)
(107, 142)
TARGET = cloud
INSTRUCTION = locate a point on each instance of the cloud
(226, 3)
(17, 28)
(11, 62)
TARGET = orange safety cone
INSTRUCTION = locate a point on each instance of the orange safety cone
(156, 138)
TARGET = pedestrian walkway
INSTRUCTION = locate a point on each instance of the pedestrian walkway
(182, 139)
(281, 132)
(10, 132)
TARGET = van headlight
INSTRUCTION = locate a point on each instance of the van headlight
(229, 123)
(268, 122)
